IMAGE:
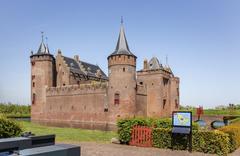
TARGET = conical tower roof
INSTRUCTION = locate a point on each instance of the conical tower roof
(122, 45)
(43, 49)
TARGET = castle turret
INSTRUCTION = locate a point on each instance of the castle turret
(122, 79)
(42, 76)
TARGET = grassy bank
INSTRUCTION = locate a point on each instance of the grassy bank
(69, 134)
(214, 112)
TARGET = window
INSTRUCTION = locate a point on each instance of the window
(33, 84)
(33, 63)
(141, 83)
(165, 81)
(128, 57)
(176, 104)
(33, 77)
(164, 103)
(116, 99)
(33, 98)
(105, 109)
(123, 69)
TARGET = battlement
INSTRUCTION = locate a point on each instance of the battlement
(154, 71)
(44, 57)
(96, 87)
(121, 60)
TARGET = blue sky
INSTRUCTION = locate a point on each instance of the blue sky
(201, 39)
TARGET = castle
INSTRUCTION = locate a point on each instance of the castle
(70, 92)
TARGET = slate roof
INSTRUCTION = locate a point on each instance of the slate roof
(122, 47)
(155, 64)
(86, 69)
(43, 49)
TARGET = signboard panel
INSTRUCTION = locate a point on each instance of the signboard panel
(182, 119)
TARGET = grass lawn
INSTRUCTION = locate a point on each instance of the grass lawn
(213, 112)
(69, 134)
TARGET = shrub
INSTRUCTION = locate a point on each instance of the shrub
(125, 126)
(233, 131)
(213, 142)
(9, 128)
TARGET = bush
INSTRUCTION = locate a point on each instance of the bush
(213, 142)
(233, 131)
(9, 128)
(125, 126)
(15, 110)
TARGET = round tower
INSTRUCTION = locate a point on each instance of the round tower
(122, 80)
(42, 76)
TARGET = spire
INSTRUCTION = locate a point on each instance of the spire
(47, 49)
(43, 49)
(122, 45)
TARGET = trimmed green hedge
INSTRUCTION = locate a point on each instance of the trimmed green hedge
(9, 128)
(233, 131)
(214, 142)
(125, 126)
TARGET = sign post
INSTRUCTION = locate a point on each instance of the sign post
(182, 125)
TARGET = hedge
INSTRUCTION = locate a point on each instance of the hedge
(213, 142)
(9, 128)
(125, 126)
(233, 131)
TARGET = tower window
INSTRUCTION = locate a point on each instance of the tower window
(33, 84)
(33, 98)
(105, 109)
(116, 99)
(33, 77)
(123, 69)
(165, 81)
(164, 103)
(33, 63)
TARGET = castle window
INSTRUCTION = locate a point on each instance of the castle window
(164, 103)
(33, 98)
(33, 77)
(64, 84)
(176, 104)
(33, 84)
(123, 69)
(116, 99)
(165, 81)
(105, 109)
(33, 63)
(141, 83)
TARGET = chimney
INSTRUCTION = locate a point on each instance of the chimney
(145, 64)
(76, 57)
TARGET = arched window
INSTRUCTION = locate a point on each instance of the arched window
(116, 99)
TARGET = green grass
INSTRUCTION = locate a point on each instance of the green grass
(69, 134)
(212, 112)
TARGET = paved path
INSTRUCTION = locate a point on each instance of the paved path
(98, 149)
(108, 149)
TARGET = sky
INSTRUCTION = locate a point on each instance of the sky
(200, 38)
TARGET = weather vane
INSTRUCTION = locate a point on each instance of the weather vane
(42, 35)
